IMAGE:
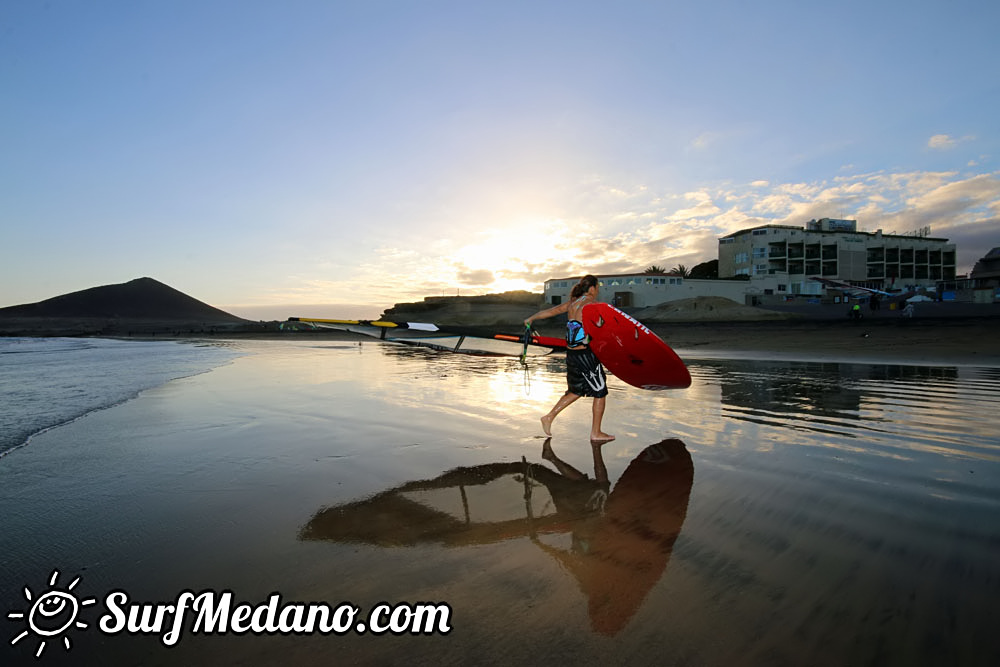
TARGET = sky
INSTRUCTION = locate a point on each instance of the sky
(331, 159)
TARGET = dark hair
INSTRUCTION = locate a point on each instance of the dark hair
(581, 287)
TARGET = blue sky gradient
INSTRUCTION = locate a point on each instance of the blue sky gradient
(333, 158)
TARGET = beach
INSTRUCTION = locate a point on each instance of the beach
(959, 340)
(776, 512)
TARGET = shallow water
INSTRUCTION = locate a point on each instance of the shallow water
(773, 513)
(45, 382)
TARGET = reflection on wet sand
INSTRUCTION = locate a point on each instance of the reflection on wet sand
(621, 539)
(819, 388)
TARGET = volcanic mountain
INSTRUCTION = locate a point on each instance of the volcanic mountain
(139, 299)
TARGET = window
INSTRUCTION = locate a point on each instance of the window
(759, 232)
(759, 253)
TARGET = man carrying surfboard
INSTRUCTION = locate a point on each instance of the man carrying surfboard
(584, 373)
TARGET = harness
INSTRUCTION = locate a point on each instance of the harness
(575, 334)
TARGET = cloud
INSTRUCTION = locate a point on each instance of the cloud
(944, 142)
(941, 142)
(704, 207)
(621, 227)
(705, 140)
(475, 278)
(962, 208)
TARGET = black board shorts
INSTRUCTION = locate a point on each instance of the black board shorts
(585, 374)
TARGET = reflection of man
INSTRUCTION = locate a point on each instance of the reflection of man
(620, 541)
(572, 491)
(621, 547)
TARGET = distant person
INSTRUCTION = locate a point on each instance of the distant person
(584, 373)
(855, 312)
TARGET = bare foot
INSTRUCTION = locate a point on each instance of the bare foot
(601, 438)
(547, 452)
(547, 425)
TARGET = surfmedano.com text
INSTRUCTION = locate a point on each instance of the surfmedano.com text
(210, 612)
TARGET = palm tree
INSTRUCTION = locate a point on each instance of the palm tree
(680, 271)
(655, 270)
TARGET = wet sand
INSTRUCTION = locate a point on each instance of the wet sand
(808, 513)
(965, 341)
(955, 341)
(959, 333)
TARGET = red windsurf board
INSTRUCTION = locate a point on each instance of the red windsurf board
(630, 351)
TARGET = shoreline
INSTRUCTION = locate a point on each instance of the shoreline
(966, 337)
(917, 342)
(966, 342)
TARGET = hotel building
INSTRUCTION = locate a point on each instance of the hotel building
(781, 259)
(770, 262)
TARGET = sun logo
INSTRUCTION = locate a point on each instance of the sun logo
(51, 614)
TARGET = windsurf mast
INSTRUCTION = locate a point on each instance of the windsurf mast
(472, 340)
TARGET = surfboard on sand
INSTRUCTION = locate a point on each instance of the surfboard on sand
(630, 351)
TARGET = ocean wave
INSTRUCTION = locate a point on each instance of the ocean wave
(49, 382)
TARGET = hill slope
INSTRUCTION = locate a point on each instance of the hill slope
(139, 299)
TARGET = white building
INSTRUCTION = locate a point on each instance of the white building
(776, 261)
(781, 259)
(640, 290)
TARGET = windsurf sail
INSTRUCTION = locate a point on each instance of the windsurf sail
(848, 287)
(468, 340)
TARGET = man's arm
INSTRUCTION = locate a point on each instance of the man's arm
(548, 312)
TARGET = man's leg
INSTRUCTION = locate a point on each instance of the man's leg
(564, 402)
(596, 434)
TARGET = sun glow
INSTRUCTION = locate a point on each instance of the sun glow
(516, 257)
